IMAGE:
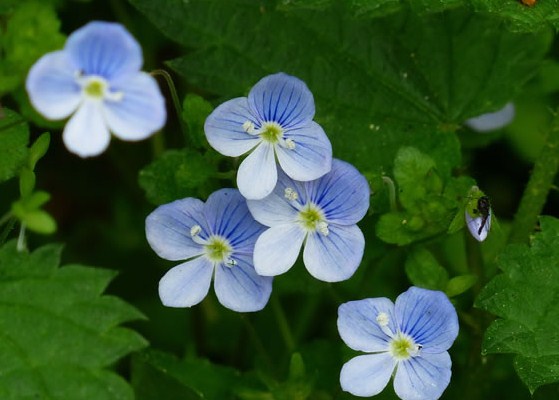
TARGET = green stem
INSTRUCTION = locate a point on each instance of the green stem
(21, 244)
(391, 192)
(9, 226)
(175, 99)
(157, 144)
(257, 341)
(538, 187)
(283, 324)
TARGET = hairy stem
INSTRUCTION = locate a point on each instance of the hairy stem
(539, 185)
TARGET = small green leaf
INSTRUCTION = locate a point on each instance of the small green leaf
(39, 221)
(14, 135)
(60, 333)
(38, 149)
(524, 297)
(195, 110)
(424, 270)
(36, 200)
(459, 284)
(26, 182)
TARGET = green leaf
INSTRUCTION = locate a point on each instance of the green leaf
(178, 174)
(158, 375)
(14, 135)
(195, 110)
(424, 270)
(459, 284)
(524, 297)
(38, 149)
(39, 221)
(398, 81)
(26, 182)
(59, 333)
(32, 30)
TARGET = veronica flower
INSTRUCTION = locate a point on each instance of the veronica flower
(408, 340)
(216, 239)
(492, 121)
(274, 122)
(478, 214)
(97, 78)
(321, 215)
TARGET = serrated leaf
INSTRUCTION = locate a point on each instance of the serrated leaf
(156, 372)
(14, 135)
(379, 84)
(59, 332)
(524, 297)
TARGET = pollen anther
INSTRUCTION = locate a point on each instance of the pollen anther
(290, 194)
(248, 127)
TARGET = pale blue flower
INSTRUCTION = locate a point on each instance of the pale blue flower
(216, 239)
(408, 340)
(321, 215)
(493, 120)
(273, 123)
(97, 78)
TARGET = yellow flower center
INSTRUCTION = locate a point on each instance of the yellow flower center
(271, 132)
(403, 347)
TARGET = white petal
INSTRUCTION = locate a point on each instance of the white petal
(477, 227)
(367, 375)
(277, 249)
(492, 121)
(86, 133)
(52, 87)
(424, 377)
(334, 257)
(186, 284)
(257, 175)
(358, 325)
(224, 128)
(240, 288)
(140, 112)
(311, 157)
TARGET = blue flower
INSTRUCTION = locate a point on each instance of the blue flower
(321, 214)
(97, 78)
(492, 121)
(411, 337)
(274, 122)
(216, 239)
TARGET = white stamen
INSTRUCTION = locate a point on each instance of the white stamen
(114, 96)
(248, 127)
(290, 194)
(323, 228)
(195, 230)
(290, 144)
(382, 319)
(231, 263)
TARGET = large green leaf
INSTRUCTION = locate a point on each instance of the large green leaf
(14, 135)
(525, 297)
(58, 334)
(379, 84)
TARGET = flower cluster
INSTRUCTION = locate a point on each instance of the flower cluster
(292, 195)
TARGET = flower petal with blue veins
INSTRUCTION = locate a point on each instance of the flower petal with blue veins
(424, 377)
(86, 133)
(224, 128)
(257, 174)
(140, 112)
(277, 249)
(52, 86)
(343, 194)
(186, 284)
(358, 324)
(104, 49)
(311, 156)
(240, 288)
(428, 317)
(367, 375)
(228, 216)
(282, 98)
(336, 256)
(168, 229)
